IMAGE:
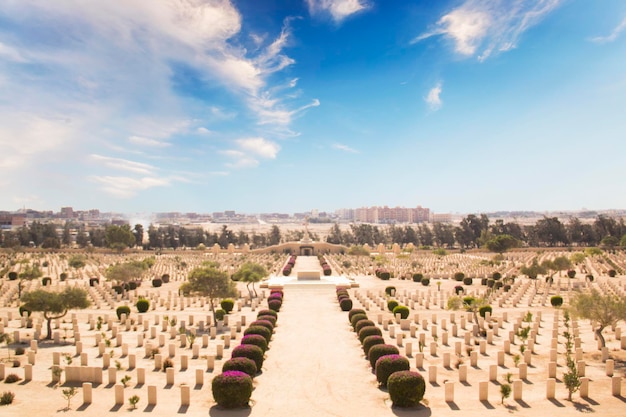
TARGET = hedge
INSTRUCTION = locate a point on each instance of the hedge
(274, 305)
(345, 304)
(356, 318)
(363, 323)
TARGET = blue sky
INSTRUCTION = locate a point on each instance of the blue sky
(259, 106)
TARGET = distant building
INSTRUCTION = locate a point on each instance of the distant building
(67, 213)
(441, 218)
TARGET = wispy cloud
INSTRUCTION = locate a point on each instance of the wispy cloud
(613, 35)
(338, 9)
(433, 98)
(123, 164)
(344, 148)
(127, 187)
(138, 140)
(259, 146)
(486, 26)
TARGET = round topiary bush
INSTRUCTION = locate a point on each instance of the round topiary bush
(483, 281)
(507, 288)
(345, 304)
(118, 289)
(353, 312)
(406, 388)
(46, 281)
(263, 331)
(265, 323)
(612, 273)
(390, 291)
(12, 276)
(93, 282)
(370, 341)
(418, 277)
(425, 282)
(498, 285)
(266, 312)
(122, 310)
(391, 304)
(157, 282)
(369, 331)
(271, 319)
(496, 275)
(491, 283)
(227, 305)
(556, 301)
(142, 305)
(402, 310)
(459, 276)
(219, 314)
(484, 309)
(251, 352)
(132, 285)
(571, 273)
(458, 290)
(467, 281)
(387, 365)
(241, 364)
(232, 389)
(589, 277)
(363, 323)
(23, 310)
(275, 296)
(255, 339)
(378, 351)
(274, 305)
(356, 318)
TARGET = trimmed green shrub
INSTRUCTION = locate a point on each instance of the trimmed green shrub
(118, 289)
(157, 283)
(406, 388)
(132, 285)
(491, 283)
(556, 301)
(378, 351)
(498, 285)
(467, 281)
(496, 276)
(93, 282)
(391, 304)
(458, 290)
(165, 278)
(232, 389)
(363, 323)
(369, 331)
(63, 276)
(384, 275)
(46, 281)
(241, 364)
(219, 314)
(467, 301)
(459, 276)
(483, 310)
(612, 273)
(12, 276)
(274, 305)
(403, 310)
(263, 331)
(390, 291)
(483, 281)
(11, 378)
(255, 339)
(345, 304)
(370, 341)
(7, 398)
(353, 312)
(571, 273)
(251, 352)
(122, 310)
(267, 312)
(425, 282)
(387, 365)
(142, 305)
(356, 318)
(23, 310)
(418, 277)
(507, 288)
(589, 277)
(227, 305)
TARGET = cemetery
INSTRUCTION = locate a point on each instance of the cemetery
(484, 337)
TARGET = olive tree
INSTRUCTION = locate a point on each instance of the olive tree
(55, 305)
(209, 282)
(250, 273)
(602, 310)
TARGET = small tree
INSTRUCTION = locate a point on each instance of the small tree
(6, 338)
(119, 237)
(209, 282)
(30, 272)
(571, 379)
(601, 309)
(250, 273)
(55, 305)
(68, 394)
(533, 270)
(502, 243)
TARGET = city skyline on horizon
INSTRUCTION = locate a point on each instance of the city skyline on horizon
(469, 106)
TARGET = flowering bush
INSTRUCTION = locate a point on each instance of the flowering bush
(378, 351)
(353, 312)
(264, 323)
(255, 339)
(402, 310)
(260, 330)
(406, 388)
(363, 323)
(356, 318)
(271, 319)
(387, 365)
(287, 270)
(369, 331)
(274, 305)
(232, 389)
(370, 341)
(267, 312)
(251, 352)
(242, 364)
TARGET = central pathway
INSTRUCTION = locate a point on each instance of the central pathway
(315, 366)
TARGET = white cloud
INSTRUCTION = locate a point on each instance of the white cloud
(259, 146)
(433, 98)
(338, 9)
(344, 148)
(139, 140)
(203, 131)
(11, 54)
(484, 26)
(127, 187)
(124, 164)
(613, 35)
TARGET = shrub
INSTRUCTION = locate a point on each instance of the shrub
(227, 304)
(378, 351)
(255, 339)
(251, 352)
(390, 291)
(342, 291)
(356, 318)
(122, 310)
(157, 283)
(265, 323)
(406, 388)
(458, 290)
(496, 276)
(369, 331)
(142, 305)
(46, 281)
(556, 301)
(11, 378)
(418, 277)
(370, 341)
(467, 301)
(363, 323)
(507, 288)
(232, 389)
(118, 289)
(63, 276)
(219, 314)
(589, 277)
(23, 310)
(7, 398)
(612, 273)
(93, 282)
(402, 310)
(165, 278)
(260, 330)
(19, 351)
(274, 305)
(387, 365)
(345, 304)
(391, 304)
(132, 285)
(167, 363)
(483, 311)
(483, 281)
(12, 276)
(467, 281)
(491, 283)
(498, 285)
(353, 312)
(549, 280)
(241, 364)
(571, 273)
(271, 319)
(267, 313)
(425, 282)
(459, 276)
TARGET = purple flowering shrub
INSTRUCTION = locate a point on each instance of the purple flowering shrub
(255, 339)
(387, 365)
(406, 388)
(242, 364)
(378, 351)
(232, 389)
(251, 352)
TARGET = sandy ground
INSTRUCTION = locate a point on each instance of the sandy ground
(316, 367)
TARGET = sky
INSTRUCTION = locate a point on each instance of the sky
(292, 105)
